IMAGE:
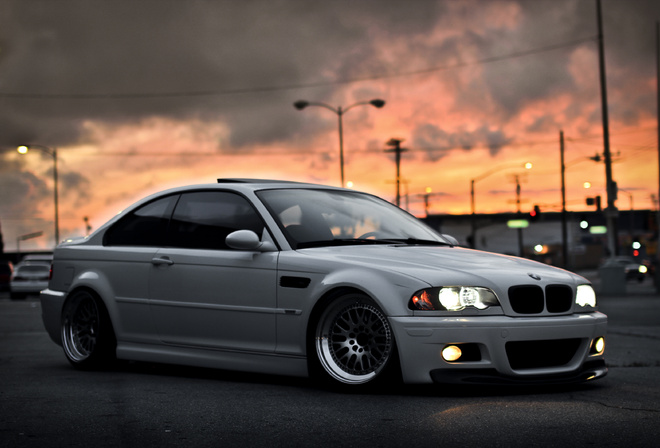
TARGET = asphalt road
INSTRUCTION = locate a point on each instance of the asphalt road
(44, 402)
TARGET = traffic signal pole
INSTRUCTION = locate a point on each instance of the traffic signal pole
(564, 229)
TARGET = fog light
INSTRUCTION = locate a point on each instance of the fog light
(598, 346)
(451, 353)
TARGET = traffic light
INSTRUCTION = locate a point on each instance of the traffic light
(535, 214)
(636, 246)
(595, 201)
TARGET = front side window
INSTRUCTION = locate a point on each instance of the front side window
(146, 226)
(202, 220)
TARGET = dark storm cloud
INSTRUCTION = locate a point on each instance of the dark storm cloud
(75, 186)
(21, 190)
(150, 47)
(513, 83)
(437, 142)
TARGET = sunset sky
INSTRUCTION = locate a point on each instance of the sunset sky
(139, 96)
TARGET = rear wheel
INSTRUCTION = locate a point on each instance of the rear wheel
(87, 335)
(353, 341)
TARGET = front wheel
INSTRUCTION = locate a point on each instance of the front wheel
(353, 341)
(87, 335)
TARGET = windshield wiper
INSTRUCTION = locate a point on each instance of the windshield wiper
(418, 242)
(371, 241)
(345, 242)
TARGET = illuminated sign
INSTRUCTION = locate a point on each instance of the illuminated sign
(517, 224)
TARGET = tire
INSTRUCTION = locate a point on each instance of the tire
(88, 339)
(353, 342)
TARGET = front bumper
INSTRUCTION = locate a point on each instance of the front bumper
(420, 341)
(590, 370)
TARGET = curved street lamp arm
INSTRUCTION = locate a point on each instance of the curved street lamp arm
(338, 110)
(378, 103)
(327, 106)
(495, 170)
(47, 149)
(361, 103)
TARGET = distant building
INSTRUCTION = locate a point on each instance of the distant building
(542, 239)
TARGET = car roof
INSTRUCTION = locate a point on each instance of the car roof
(254, 181)
(240, 185)
(38, 257)
(259, 184)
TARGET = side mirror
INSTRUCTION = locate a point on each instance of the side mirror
(453, 241)
(248, 240)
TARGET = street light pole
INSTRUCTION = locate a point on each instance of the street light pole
(521, 247)
(300, 105)
(340, 127)
(564, 225)
(53, 153)
(611, 211)
(473, 234)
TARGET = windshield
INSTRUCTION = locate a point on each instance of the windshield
(313, 218)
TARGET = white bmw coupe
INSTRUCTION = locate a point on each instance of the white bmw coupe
(299, 279)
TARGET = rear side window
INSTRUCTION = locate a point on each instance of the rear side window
(202, 220)
(146, 226)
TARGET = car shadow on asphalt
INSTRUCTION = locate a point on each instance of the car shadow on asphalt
(389, 388)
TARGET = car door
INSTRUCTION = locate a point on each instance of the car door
(204, 294)
(125, 261)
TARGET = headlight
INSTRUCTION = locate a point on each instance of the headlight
(586, 296)
(453, 298)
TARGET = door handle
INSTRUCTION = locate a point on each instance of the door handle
(161, 260)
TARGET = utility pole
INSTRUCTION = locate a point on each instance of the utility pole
(657, 58)
(610, 212)
(397, 150)
(564, 231)
(520, 235)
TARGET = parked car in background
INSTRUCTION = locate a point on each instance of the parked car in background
(6, 268)
(300, 279)
(28, 278)
(633, 269)
(38, 258)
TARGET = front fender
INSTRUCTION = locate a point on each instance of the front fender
(390, 291)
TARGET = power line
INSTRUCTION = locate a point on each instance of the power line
(265, 89)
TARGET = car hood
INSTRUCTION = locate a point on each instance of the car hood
(439, 266)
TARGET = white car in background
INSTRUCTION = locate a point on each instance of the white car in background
(28, 278)
(300, 279)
